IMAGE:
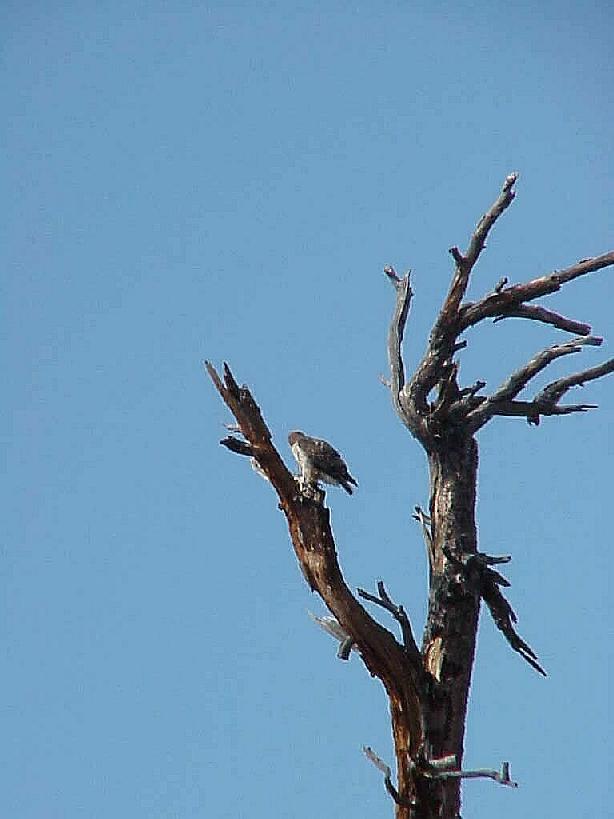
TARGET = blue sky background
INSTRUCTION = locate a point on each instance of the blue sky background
(227, 180)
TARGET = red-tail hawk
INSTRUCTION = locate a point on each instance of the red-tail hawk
(318, 461)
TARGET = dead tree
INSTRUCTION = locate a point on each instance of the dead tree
(428, 686)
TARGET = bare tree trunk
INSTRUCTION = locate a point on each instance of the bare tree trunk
(453, 608)
(428, 687)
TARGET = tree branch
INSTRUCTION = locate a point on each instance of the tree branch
(510, 298)
(385, 769)
(478, 240)
(546, 402)
(483, 580)
(538, 313)
(396, 331)
(520, 378)
(426, 525)
(310, 531)
(442, 771)
(237, 446)
(557, 389)
(465, 263)
(447, 327)
(504, 618)
(532, 411)
(400, 615)
(585, 266)
(330, 625)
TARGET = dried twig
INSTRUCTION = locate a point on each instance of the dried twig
(331, 626)
(385, 769)
(404, 295)
(504, 618)
(384, 600)
(425, 523)
(439, 770)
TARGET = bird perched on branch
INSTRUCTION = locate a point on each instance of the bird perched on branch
(319, 461)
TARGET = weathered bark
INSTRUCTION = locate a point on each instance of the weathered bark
(397, 666)
(428, 688)
(449, 639)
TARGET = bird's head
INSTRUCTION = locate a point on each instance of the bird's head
(295, 437)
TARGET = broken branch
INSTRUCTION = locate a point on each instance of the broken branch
(504, 618)
(385, 769)
(404, 295)
(331, 626)
(538, 313)
(475, 567)
(237, 445)
(441, 772)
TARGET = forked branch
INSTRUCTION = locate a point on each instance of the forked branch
(310, 531)
(411, 400)
(519, 379)
(384, 600)
(506, 299)
(557, 389)
(439, 371)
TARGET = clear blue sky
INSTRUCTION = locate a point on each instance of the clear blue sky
(227, 180)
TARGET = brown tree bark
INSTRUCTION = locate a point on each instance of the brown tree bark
(428, 687)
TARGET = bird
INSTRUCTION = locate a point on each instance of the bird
(319, 461)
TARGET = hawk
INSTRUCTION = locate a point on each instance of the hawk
(318, 461)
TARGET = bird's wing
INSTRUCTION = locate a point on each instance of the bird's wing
(325, 458)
